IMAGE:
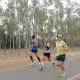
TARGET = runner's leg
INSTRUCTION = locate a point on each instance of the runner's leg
(37, 57)
(62, 68)
(31, 58)
(42, 63)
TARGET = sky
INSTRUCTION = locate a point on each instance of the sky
(4, 3)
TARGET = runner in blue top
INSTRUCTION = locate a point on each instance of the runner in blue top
(46, 54)
(34, 49)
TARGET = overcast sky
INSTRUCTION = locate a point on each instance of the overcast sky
(4, 2)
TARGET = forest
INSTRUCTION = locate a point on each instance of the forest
(44, 18)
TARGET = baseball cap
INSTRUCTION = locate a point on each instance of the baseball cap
(59, 35)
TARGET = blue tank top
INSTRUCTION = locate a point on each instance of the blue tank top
(34, 47)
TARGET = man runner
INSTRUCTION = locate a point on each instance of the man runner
(34, 49)
(61, 49)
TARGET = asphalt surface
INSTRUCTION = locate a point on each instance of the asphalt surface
(49, 73)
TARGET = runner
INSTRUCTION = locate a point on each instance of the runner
(61, 49)
(34, 49)
(46, 55)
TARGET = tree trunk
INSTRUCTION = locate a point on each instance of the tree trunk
(10, 43)
(13, 42)
(19, 44)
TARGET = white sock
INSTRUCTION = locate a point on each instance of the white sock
(63, 71)
(63, 74)
(42, 64)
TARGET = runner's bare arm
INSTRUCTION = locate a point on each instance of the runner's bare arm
(48, 45)
(36, 43)
(65, 47)
(54, 50)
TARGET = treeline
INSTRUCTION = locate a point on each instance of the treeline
(46, 18)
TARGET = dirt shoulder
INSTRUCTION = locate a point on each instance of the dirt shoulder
(16, 62)
(6, 63)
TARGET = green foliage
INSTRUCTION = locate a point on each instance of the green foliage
(20, 19)
(40, 16)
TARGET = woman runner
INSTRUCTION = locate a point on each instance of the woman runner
(47, 54)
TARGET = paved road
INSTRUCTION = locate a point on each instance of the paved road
(50, 73)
